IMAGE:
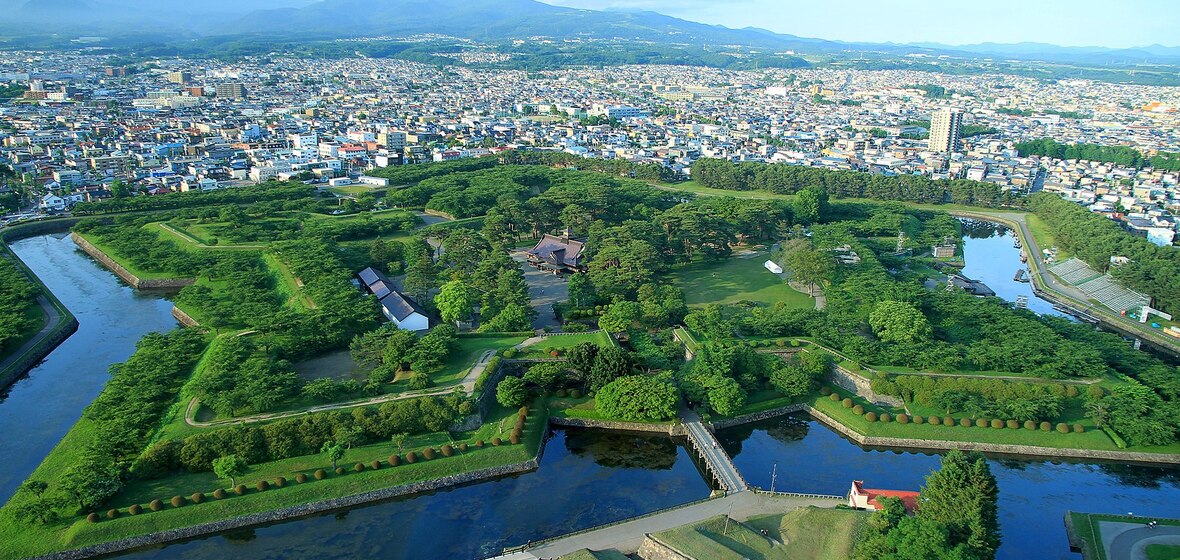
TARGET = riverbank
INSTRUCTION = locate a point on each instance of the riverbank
(1043, 288)
(58, 324)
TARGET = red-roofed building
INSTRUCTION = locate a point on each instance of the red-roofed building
(866, 498)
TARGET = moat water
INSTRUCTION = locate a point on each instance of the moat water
(585, 478)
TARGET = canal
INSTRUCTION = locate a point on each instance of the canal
(1034, 493)
(40, 408)
(991, 256)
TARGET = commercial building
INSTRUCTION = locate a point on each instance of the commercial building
(233, 90)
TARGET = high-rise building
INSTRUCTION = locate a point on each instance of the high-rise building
(944, 130)
(234, 90)
(182, 77)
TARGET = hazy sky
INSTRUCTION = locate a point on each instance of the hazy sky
(1119, 23)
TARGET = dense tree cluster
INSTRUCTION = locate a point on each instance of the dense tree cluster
(722, 375)
(650, 398)
(270, 191)
(956, 517)
(790, 179)
(17, 296)
(1121, 155)
(615, 167)
(236, 378)
(975, 397)
(401, 175)
(1095, 239)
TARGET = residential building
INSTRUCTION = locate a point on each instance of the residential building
(945, 128)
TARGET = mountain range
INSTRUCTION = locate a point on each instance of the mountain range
(488, 20)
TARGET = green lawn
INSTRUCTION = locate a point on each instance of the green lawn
(565, 341)
(287, 284)
(1092, 438)
(815, 533)
(1163, 552)
(1044, 238)
(25, 540)
(584, 407)
(734, 279)
(721, 538)
(464, 352)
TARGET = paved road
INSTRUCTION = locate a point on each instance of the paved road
(468, 385)
(1132, 544)
(626, 537)
(52, 318)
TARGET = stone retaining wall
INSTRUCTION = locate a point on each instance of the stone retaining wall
(756, 416)
(65, 328)
(653, 549)
(676, 429)
(1076, 542)
(291, 512)
(184, 318)
(124, 274)
(852, 381)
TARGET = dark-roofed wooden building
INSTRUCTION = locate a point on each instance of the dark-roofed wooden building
(558, 254)
(399, 308)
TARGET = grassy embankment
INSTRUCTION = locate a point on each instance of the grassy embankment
(1086, 527)
(123, 261)
(815, 533)
(564, 342)
(21, 540)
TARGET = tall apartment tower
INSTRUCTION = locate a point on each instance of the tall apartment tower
(181, 77)
(944, 130)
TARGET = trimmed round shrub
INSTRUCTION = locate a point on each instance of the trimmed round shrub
(575, 393)
(835, 397)
(981, 423)
(517, 432)
(825, 390)
(858, 409)
(871, 416)
(780, 343)
(1062, 427)
(509, 353)
(428, 453)
(112, 513)
(375, 464)
(846, 403)
(1045, 426)
(1013, 425)
(1078, 428)
(447, 450)
(262, 485)
(519, 425)
(903, 419)
(948, 421)
(219, 493)
(560, 393)
(497, 441)
(885, 417)
(997, 423)
(359, 467)
(463, 446)
(394, 460)
(280, 482)
(135, 510)
(411, 457)
(177, 501)
(1071, 391)
(240, 489)
(92, 517)
(918, 419)
(197, 497)
(320, 474)
(479, 443)
(514, 438)
(933, 420)
(340, 470)
(1030, 425)
(301, 478)
(966, 422)
(156, 505)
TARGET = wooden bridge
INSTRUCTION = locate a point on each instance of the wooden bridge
(717, 462)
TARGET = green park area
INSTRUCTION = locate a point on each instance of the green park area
(809, 532)
(1162, 552)
(738, 278)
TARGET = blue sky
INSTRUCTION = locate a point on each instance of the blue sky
(1107, 23)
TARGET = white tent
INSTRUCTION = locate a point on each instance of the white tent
(771, 266)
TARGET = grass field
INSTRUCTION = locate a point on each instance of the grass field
(565, 341)
(288, 286)
(21, 540)
(735, 279)
(815, 533)
(1163, 552)
(1044, 238)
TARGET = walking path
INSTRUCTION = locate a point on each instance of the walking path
(468, 385)
(1131, 543)
(716, 459)
(628, 536)
(52, 318)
